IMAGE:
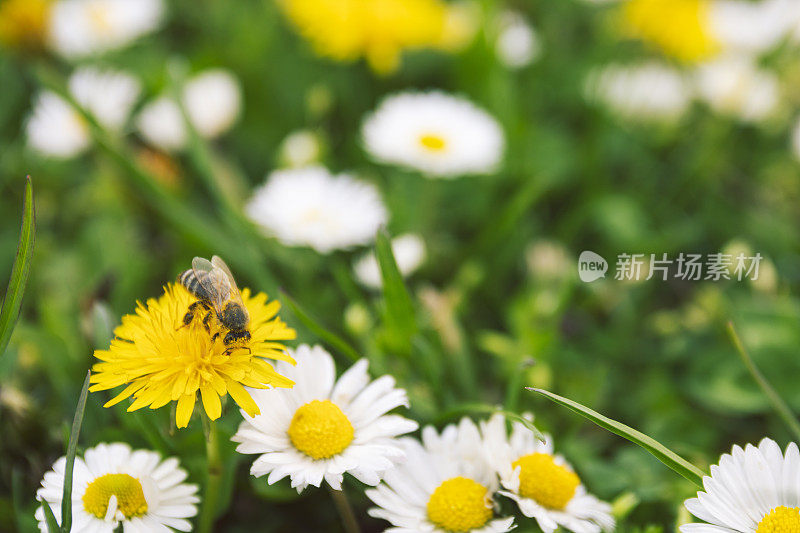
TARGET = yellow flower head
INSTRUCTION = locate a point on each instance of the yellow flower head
(378, 30)
(680, 28)
(161, 362)
(23, 23)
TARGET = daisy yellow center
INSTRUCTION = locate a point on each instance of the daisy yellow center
(433, 142)
(460, 504)
(781, 519)
(320, 429)
(23, 22)
(127, 489)
(541, 479)
(679, 27)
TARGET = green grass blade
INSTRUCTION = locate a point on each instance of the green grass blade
(780, 406)
(399, 307)
(319, 330)
(19, 272)
(66, 502)
(52, 524)
(661, 452)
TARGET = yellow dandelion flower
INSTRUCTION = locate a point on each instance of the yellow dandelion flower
(679, 28)
(378, 30)
(23, 23)
(161, 362)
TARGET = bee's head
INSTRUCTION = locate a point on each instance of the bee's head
(234, 337)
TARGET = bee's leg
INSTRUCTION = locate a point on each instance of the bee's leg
(214, 337)
(206, 319)
(230, 349)
(189, 316)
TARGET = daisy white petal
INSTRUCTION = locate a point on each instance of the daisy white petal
(212, 99)
(642, 92)
(319, 441)
(86, 27)
(311, 207)
(114, 485)
(442, 136)
(751, 489)
(445, 484)
(543, 485)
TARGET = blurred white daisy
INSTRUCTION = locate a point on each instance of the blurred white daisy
(409, 253)
(751, 27)
(324, 427)
(445, 484)
(517, 44)
(300, 148)
(438, 134)
(114, 485)
(56, 129)
(311, 207)
(543, 484)
(750, 490)
(212, 99)
(86, 27)
(648, 91)
(734, 85)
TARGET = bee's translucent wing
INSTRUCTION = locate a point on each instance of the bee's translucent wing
(217, 262)
(214, 281)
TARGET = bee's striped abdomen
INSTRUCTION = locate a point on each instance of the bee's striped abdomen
(192, 284)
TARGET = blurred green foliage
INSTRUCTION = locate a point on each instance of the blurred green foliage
(652, 354)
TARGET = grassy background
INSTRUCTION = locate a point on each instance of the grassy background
(653, 354)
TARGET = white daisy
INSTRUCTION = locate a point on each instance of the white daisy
(85, 27)
(114, 485)
(108, 95)
(543, 484)
(517, 44)
(212, 99)
(750, 490)
(734, 85)
(409, 253)
(300, 148)
(742, 26)
(56, 129)
(438, 134)
(324, 427)
(446, 484)
(648, 91)
(311, 207)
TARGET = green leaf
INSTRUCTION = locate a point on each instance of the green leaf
(319, 330)
(401, 321)
(19, 272)
(66, 502)
(661, 452)
(52, 524)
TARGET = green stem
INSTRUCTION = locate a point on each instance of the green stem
(208, 513)
(515, 383)
(777, 402)
(345, 511)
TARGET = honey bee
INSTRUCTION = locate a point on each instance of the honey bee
(212, 283)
